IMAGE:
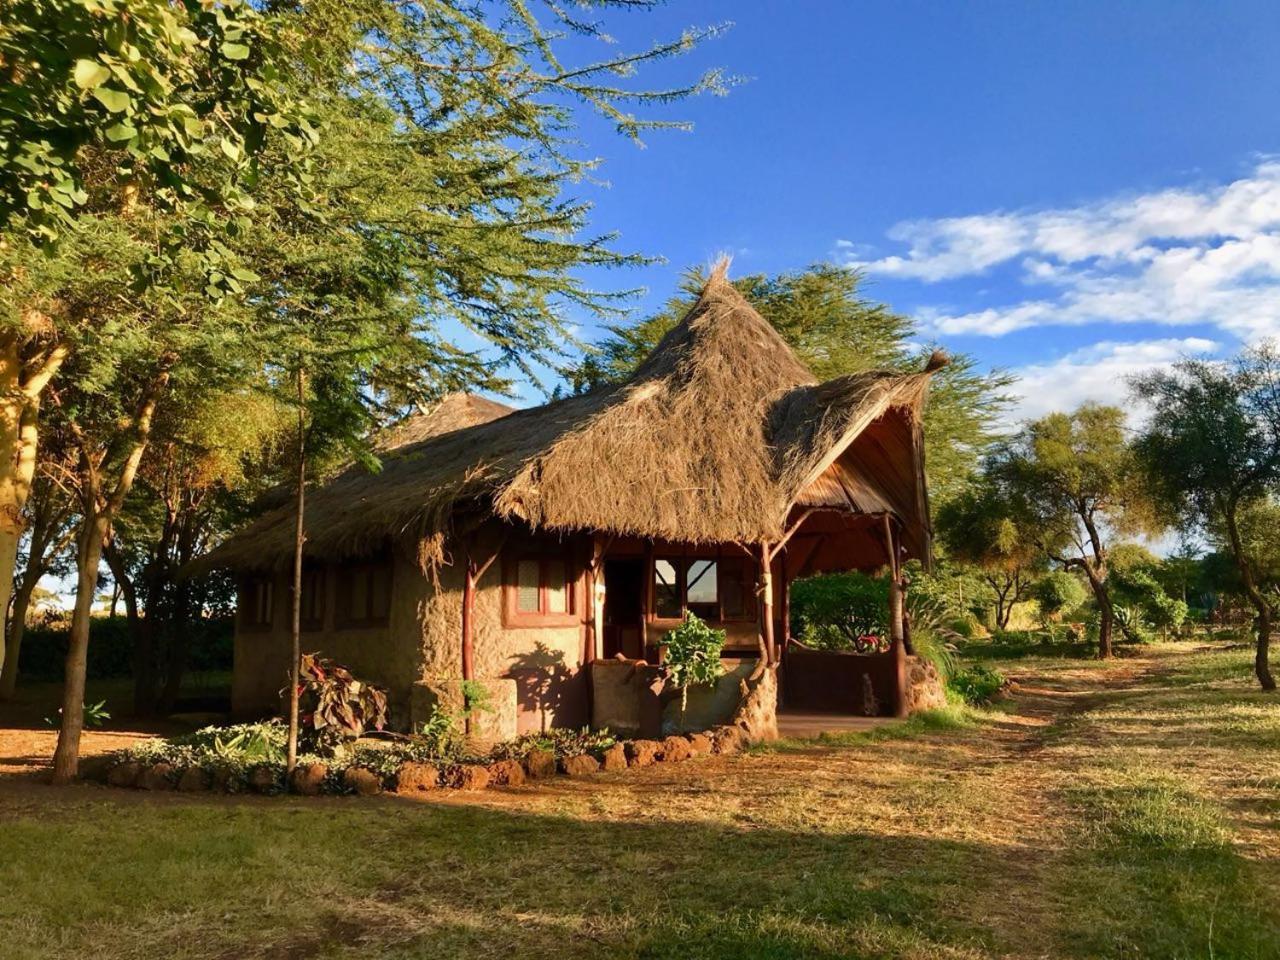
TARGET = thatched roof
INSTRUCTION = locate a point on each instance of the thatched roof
(713, 439)
(453, 412)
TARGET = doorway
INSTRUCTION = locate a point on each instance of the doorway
(624, 582)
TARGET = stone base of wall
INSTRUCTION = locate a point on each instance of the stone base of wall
(924, 686)
(757, 712)
(486, 726)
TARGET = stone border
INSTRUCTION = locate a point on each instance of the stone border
(413, 777)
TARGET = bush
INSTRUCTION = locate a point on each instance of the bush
(692, 655)
(334, 707)
(977, 684)
(841, 611)
(44, 648)
(1057, 592)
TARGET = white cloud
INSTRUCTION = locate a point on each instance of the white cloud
(1099, 372)
(1174, 257)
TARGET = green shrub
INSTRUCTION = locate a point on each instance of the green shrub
(977, 684)
(692, 655)
(841, 611)
(44, 648)
(1056, 592)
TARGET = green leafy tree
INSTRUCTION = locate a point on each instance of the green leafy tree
(981, 527)
(1075, 482)
(1057, 592)
(822, 314)
(1212, 450)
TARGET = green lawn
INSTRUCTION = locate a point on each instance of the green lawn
(1130, 809)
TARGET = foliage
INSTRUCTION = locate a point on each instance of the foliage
(561, 741)
(1075, 481)
(1212, 449)
(976, 684)
(439, 733)
(111, 648)
(94, 714)
(1056, 592)
(334, 706)
(1151, 607)
(841, 611)
(980, 527)
(149, 90)
(691, 655)
(821, 313)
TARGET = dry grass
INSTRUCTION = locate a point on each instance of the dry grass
(1119, 810)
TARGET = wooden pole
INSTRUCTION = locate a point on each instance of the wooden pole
(299, 538)
(897, 646)
(468, 620)
(766, 604)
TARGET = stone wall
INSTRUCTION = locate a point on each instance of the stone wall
(757, 712)
(925, 690)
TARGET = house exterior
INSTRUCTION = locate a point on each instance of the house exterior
(544, 552)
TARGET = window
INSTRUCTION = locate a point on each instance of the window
(540, 592)
(364, 594)
(313, 597)
(713, 588)
(256, 604)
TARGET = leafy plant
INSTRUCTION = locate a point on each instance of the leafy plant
(94, 714)
(439, 733)
(335, 706)
(844, 611)
(1056, 592)
(692, 655)
(977, 684)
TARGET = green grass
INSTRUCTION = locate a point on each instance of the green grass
(1118, 810)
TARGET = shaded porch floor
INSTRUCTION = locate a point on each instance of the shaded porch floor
(807, 723)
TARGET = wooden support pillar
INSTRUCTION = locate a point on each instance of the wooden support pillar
(468, 620)
(766, 606)
(897, 639)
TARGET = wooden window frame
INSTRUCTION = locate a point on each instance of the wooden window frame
(681, 560)
(249, 591)
(513, 616)
(319, 577)
(371, 569)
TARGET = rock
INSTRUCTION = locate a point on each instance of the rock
(264, 779)
(675, 749)
(412, 777)
(362, 781)
(124, 774)
(699, 745)
(224, 781)
(540, 763)
(506, 773)
(308, 780)
(156, 777)
(728, 739)
(193, 780)
(95, 768)
(581, 765)
(642, 753)
(615, 758)
(467, 776)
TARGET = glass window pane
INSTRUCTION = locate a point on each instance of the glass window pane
(527, 583)
(666, 589)
(700, 582)
(736, 589)
(358, 603)
(379, 592)
(557, 587)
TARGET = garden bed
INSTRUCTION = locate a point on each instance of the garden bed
(247, 759)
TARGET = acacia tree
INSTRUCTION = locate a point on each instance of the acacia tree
(1212, 449)
(1076, 482)
(822, 314)
(981, 527)
(107, 106)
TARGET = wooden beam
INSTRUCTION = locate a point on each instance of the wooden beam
(766, 605)
(789, 532)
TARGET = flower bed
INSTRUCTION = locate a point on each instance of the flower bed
(250, 758)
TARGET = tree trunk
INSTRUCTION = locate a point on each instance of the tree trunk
(66, 758)
(1106, 621)
(140, 634)
(179, 646)
(299, 538)
(13, 642)
(1262, 654)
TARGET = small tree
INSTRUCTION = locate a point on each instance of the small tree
(692, 656)
(1057, 592)
(981, 527)
(1212, 449)
(1075, 481)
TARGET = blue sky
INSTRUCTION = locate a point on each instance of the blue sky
(1072, 190)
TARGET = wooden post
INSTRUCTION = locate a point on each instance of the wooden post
(766, 605)
(897, 644)
(468, 620)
